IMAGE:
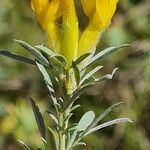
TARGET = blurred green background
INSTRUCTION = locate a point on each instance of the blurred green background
(131, 84)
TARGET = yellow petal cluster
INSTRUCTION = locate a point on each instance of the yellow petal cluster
(58, 18)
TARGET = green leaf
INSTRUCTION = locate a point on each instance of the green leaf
(107, 76)
(46, 77)
(89, 74)
(17, 57)
(79, 144)
(25, 145)
(46, 50)
(109, 123)
(76, 73)
(66, 119)
(55, 136)
(103, 54)
(72, 139)
(72, 127)
(34, 52)
(90, 80)
(54, 118)
(38, 117)
(105, 113)
(61, 59)
(75, 107)
(86, 120)
(76, 94)
(82, 58)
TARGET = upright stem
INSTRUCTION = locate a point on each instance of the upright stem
(63, 122)
(63, 125)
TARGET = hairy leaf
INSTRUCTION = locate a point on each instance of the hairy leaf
(91, 73)
(109, 123)
(107, 76)
(76, 73)
(24, 145)
(46, 77)
(82, 58)
(38, 117)
(17, 57)
(103, 54)
(105, 113)
(86, 120)
(34, 52)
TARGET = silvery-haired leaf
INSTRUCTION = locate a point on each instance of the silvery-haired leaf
(89, 80)
(55, 136)
(109, 123)
(86, 120)
(76, 73)
(75, 107)
(68, 117)
(55, 102)
(72, 139)
(79, 144)
(105, 113)
(51, 80)
(72, 127)
(46, 50)
(38, 117)
(82, 58)
(54, 118)
(77, 94)
(17, 57)
(61, 59)
(107, 76)
(44, 141)
(34, 52)
(89, 74)
(46, 77)
(24, 145)
(54, 58)
(103, 54)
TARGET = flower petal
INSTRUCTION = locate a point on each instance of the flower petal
(70, 31)
(98, 21)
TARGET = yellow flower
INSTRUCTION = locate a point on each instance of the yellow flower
(99, 13)
(63, 38)
(47, 13)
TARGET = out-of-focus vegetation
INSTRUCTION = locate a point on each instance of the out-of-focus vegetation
(131, 84)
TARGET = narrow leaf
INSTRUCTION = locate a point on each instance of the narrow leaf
(75, 107)
(46, 77)
(61, 59)
(105, 113)
(38, 117)
(17, 57)
(54, 118)
(45, 49)
(77, 94)
(91, 73)
(82, 58)
(79, 144)
(107, 76)
(109, 123)
(86, 120)
(25, 145)
(76, 73)
(103, 54)
(33, 51)
(55, 136)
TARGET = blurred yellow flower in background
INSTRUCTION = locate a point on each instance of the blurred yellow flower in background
(59, 20)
